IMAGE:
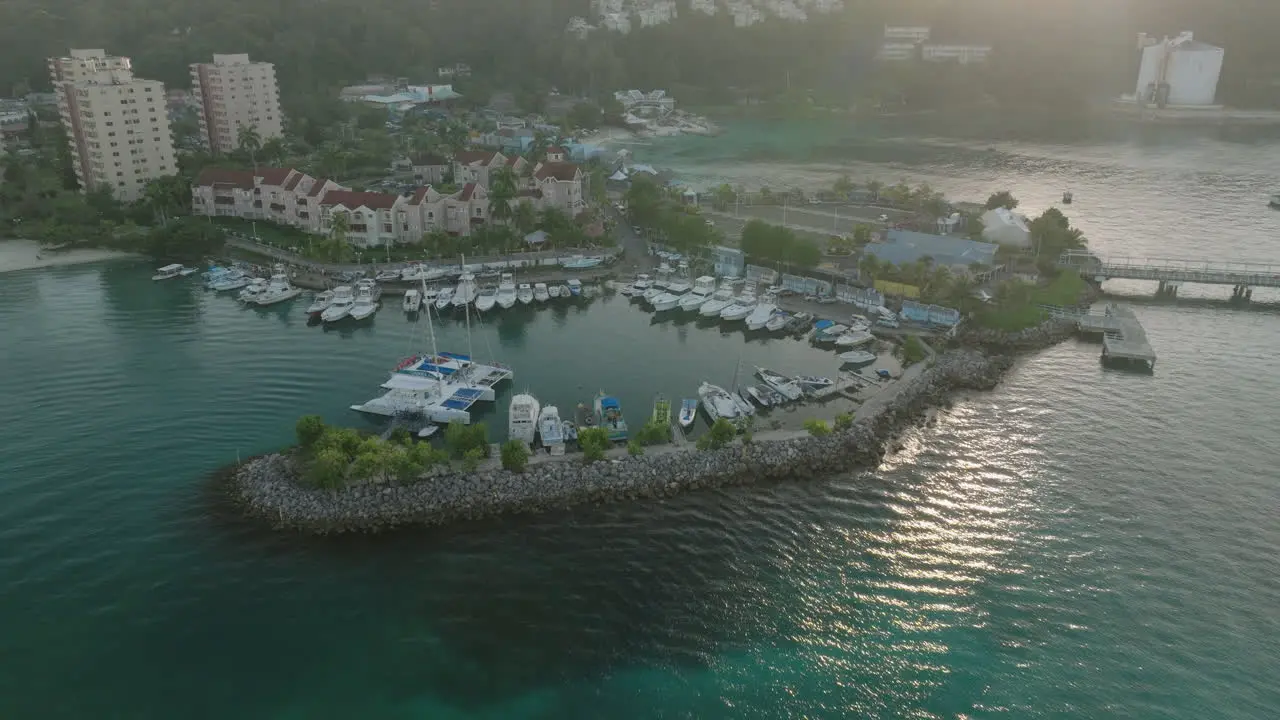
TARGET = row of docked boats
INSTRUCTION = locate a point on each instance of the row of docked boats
(249, 289)
(506, 294)
(535, 424)
(358, 302)
(711, 300)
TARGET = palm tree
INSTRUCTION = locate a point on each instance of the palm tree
(874, 187)
(843, 186)
(502, 190)
(525, 218)
(250, 141)
(338, 226)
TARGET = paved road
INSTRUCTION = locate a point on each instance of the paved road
(824, 220)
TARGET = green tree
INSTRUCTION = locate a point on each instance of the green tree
(874, 187)
(594, 442)
(309, 429)
(471, 459)
(328, 468)
(635, 448)
(816, 427)
(249, 140)
(723, 196)
(184, 239)
(525, 218)
(720, 434)
(461, 439)
(515, 456)
(502, 190)
(974, 227)
(843, 186)
(586, 116)
(844, 421)
(912, 351)
(168, 195)
(1002, 199)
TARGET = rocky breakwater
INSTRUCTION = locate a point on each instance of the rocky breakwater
(269, 486)
(1048, 333)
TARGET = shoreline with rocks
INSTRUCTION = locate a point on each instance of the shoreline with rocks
(268, 488)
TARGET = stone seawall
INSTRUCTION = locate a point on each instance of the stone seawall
(268, 487)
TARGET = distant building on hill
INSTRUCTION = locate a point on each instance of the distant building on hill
(232, 93)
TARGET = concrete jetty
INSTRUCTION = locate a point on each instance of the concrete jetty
(1124, 340)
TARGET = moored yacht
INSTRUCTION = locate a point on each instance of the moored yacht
(688, 412)
(703, 288)
(575, 287)
(762, 313)
(366, 300)
(278, 290)
(551, 429)
(609, 416)
(553, 291)
(506, 291)
(319, 303)
(340, 306)
(522, 420)
(465, 293)
(412, 300)
(857, 357)
(168, 272)
(487, 298)
(854, 338)
(524, 294)
(230, 280)
(444, 298)
(777, 322)
(642, 282)
(741, 306)
(783, 384)
(720, 300)
(717, 403)
(249, 295)
(540, 292)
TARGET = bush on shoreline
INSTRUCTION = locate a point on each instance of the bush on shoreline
(334, 457)
(515, 456)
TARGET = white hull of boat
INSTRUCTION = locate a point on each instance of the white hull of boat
(665, 302)
(523, 418)
(271, 298)
(735, 312)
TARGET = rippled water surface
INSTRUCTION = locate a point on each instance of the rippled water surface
(1078, 543)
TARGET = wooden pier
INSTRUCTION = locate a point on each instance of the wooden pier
(1124, 341)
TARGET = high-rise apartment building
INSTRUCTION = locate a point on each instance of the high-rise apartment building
(233, 93)
(116, 124)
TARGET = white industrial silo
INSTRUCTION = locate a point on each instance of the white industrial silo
(1179, 71)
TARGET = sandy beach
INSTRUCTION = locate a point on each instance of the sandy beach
(29, 255)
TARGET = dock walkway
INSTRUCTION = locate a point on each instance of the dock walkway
(1123, 337)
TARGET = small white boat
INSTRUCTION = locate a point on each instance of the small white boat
(564, 290)
(688, 412)
(642, 282)
(789, 388)
(168, 272)
(857, 357)
(388, 276)
(720, 300)
(854, 338)
(278, 290)
(412, 300)
(578, 262)
(487, 299)
(366, 300)
(186, 271)
(340, 306)
(1275, 201)
(679, 286)
(411, 273)
(540, 292)
(743, 400)
(522, 420)
(506, 291)
(444, 298)
(761, 313)
(652, 292)
(828, 332)
(626, 290)
(717, 402)
(575, 287)
(524, 293)
(777, 322)
(554, 291)
(249, 295)
(319, 303)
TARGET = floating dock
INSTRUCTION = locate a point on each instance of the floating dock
(1124, 341)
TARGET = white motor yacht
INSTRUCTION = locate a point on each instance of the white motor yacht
(412, 300)
(487, 299)
(506, 291)
(319, 303)
(642, 282)
(465, 293)
(720, 300)
(762, 313)
(777, 322)
(444, 298)
(540, 292)
(717, 402)
(575, 286)
(524, 293)
(703, 288)
(340, 307)
(278, 290)
(857, 357)
(553, 291)
(653, 291)
(366, 300)
(249, 295)
(522, 420)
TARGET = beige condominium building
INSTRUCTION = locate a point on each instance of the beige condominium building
(116, 123)
(233, 93)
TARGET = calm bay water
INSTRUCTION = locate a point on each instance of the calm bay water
(1077, 543)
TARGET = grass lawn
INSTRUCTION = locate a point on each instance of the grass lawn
(1063, 290)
